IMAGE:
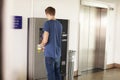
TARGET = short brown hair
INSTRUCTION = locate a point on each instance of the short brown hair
(50, 10)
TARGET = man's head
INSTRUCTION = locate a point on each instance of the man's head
(50, 13)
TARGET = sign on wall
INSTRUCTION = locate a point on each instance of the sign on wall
(17, 22)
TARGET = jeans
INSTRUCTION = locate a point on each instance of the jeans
(53, 68)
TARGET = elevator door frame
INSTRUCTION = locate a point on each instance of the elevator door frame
(97, 4)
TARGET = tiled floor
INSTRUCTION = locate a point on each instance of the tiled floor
(111, 74)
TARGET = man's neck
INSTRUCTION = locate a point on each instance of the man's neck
(53, 18)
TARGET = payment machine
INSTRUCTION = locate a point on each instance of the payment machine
(36, 69)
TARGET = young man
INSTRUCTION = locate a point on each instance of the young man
(52, 43)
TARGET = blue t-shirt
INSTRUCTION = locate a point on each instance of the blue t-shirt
(53, 47)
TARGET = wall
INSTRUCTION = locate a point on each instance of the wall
(117, 36)
(15, 41)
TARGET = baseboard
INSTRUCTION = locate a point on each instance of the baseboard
(109, 66)
(117, 65)
(114, 65)
(75, 73)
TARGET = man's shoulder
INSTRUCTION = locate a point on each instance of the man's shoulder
(58, 22)
(53, 21)
(46, 22)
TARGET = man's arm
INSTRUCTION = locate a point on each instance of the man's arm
(45, 38)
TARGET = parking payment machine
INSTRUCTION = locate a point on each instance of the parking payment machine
(36, 64)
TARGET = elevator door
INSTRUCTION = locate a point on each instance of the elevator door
(92, 38)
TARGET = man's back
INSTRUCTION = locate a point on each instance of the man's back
(53, 47)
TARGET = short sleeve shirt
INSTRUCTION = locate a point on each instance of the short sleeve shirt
(53, 46)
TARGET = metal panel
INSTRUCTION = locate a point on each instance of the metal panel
(92, 38)
(97, 37)
(37, 69)
(102, 38)
(64, 45)
(39, 58)
(36, 62)
(84, 34)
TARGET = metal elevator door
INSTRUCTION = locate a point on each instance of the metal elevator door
(92, 38)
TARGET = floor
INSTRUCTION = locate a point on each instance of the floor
(111, 74)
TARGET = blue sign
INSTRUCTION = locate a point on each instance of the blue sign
(17, 22)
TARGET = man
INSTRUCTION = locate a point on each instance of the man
(52, 43)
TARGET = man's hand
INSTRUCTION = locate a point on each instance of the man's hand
(42, 49)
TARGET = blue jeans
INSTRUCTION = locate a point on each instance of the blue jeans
(53, 68)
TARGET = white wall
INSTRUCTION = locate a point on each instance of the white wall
(117, 36)
(15, 41)
(110, 41)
